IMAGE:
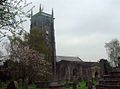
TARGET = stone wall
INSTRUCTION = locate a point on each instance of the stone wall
(69, 70)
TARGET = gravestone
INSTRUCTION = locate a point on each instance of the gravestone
(50, 85)
(112, 80)
(55, 85)
(12, 85)
(42, 84)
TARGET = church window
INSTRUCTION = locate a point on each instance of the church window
(63, 72)
(75, 72)
(96, 75)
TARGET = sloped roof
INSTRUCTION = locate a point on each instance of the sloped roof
(67, 58)
(43, 14)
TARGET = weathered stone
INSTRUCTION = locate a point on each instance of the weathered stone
(16, 84)
(111, 81)
(12, 85)
(55, 85)
(51, 85)
(43, 84)
(74, 70)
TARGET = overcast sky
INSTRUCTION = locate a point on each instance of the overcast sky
(82, 27)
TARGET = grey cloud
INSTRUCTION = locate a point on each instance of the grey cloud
(82, 27)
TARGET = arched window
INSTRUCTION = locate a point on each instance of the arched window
(74, 72)
(63, 72)
(96, 75)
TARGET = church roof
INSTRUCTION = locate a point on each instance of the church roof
(67, 58)
(43, 14)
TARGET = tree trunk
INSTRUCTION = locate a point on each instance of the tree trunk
(24, 84)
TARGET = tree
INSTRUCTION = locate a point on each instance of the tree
(30, 62)
(12, 14)
(37, 40)
(1, 54)
(113, 50)
(12, 69)
(107, 68)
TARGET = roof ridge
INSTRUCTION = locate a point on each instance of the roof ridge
(67, 58)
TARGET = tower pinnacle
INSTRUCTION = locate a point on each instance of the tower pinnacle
(40, 8)
(52, 12)
(31, 12)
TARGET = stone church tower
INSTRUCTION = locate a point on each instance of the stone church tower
(45, 22)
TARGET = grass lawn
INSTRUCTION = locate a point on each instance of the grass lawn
(80, 85)
(30, 87)
(4, 86)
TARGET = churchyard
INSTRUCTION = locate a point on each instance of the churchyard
(29, 61)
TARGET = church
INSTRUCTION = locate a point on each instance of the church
(45, 22)
(74, 68)
(65, 67)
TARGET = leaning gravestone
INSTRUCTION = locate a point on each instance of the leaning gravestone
(12, 85)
